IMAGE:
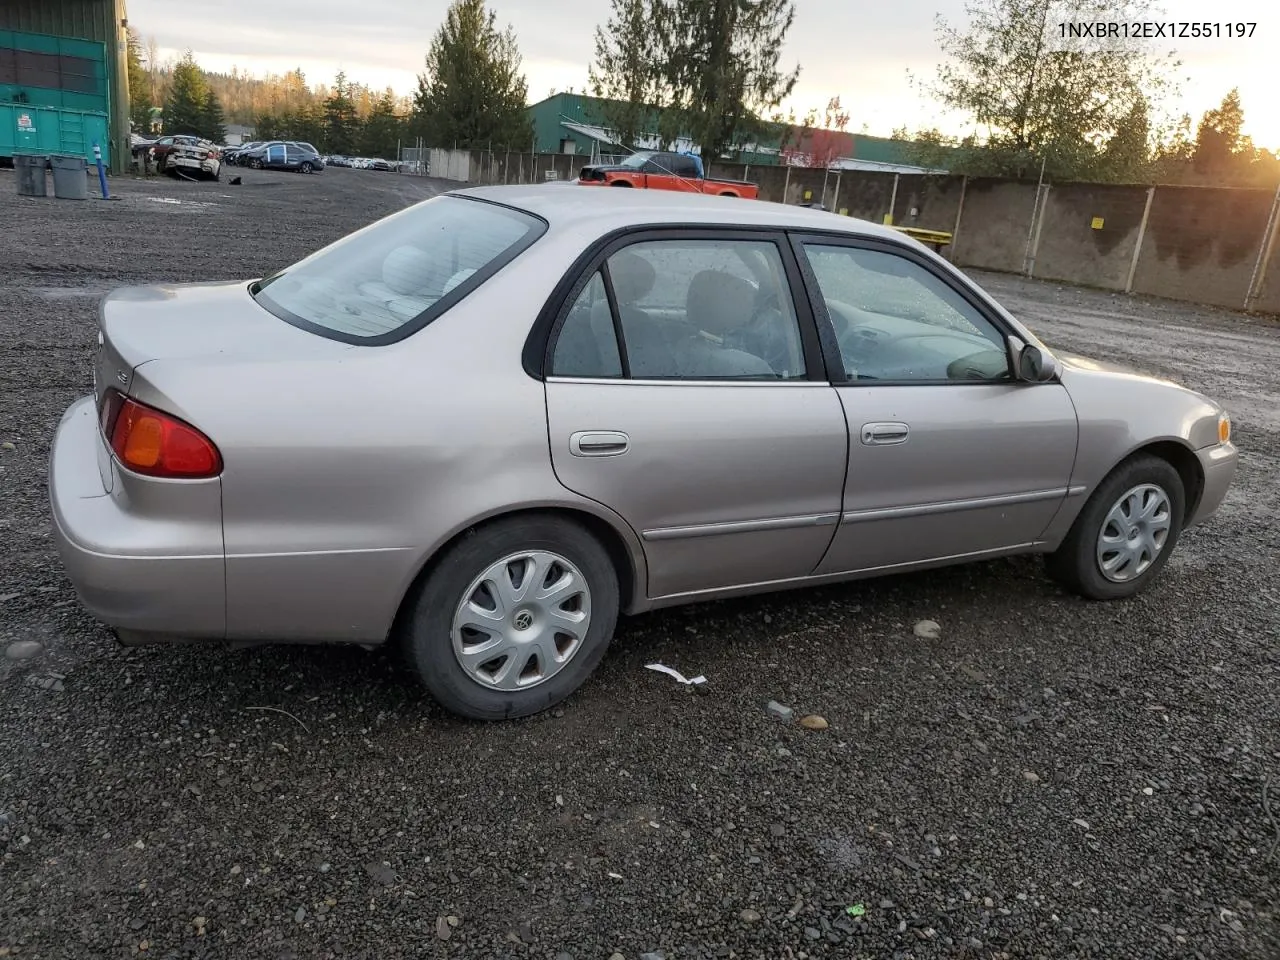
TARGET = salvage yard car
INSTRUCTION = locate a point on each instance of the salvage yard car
(199, 159)
(194, 154)
(663, 170)
(282, 155)
(485, 426)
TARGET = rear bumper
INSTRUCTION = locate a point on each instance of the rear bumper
(145, 558)
(1219, 465)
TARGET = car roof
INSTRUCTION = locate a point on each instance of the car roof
(567, 204)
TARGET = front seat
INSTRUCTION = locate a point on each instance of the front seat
(720, 304)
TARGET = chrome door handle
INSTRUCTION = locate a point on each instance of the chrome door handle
(598, 443)
(881, 433)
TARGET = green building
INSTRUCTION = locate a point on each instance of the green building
(574, 123)
(64, 78)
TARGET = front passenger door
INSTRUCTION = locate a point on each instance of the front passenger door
(950, 456)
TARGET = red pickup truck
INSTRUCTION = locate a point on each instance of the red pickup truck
(660, 170)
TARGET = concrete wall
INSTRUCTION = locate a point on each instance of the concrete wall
(1071, 248)
(1200, 244)
(1268, 290)
(995, 225)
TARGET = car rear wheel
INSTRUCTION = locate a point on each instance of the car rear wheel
(1125, 533)
(513, 618)
(307, 167)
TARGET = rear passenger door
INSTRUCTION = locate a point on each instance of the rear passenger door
(685, 391)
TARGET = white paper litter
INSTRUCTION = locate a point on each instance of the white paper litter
(662, 668)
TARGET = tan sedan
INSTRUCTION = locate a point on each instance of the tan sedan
(489, 424)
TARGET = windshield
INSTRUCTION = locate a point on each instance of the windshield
(384, 282)
(637, 160)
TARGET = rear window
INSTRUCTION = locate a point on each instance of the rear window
(384, 282)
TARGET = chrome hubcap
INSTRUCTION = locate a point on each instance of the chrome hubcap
(1134, 532)
(522, 620)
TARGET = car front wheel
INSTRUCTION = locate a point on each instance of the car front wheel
(1125, 533)
(307, 167)
(513, 618)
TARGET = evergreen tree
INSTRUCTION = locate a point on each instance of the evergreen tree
(340, 122)
(212, 123)
(709, 68)
(184, 108)
(472, 92)
(627, 71)
(383, 130)
(140, 96)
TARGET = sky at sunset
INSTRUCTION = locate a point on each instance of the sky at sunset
(859, 51)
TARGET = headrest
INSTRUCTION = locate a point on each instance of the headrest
(408, 270)
(633, 276)
(719, 302)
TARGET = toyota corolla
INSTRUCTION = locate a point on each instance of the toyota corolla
(486, 426)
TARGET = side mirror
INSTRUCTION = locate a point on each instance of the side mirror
(1034, 365)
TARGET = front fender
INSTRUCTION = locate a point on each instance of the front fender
(1121, 412)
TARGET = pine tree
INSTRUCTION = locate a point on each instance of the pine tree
(184, 108)
(140, 97)
(340, 121)
(709, 68)
(626, 74)
(212, 122)
(383, 130)
(472, 92)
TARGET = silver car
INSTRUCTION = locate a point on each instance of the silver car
(489, 424)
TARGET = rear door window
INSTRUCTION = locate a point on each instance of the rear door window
(382, 283)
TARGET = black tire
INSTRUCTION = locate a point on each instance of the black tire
(306, 167)
(426, 630)
(1075, 564)
(620, 183)
(255, 164)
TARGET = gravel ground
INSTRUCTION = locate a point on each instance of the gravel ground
(1044, 778)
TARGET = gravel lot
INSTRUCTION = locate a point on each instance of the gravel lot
(1046, 778)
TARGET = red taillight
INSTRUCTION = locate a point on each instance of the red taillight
(150, 442)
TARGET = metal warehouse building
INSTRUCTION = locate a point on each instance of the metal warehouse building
(64, 78)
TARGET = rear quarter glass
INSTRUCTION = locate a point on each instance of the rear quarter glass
(388, 280)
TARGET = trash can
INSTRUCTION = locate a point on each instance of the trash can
(70, 178)
(31, 179)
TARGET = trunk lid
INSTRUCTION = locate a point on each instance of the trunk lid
(213, 322)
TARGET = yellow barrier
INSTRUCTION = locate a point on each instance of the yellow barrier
(934, 238)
